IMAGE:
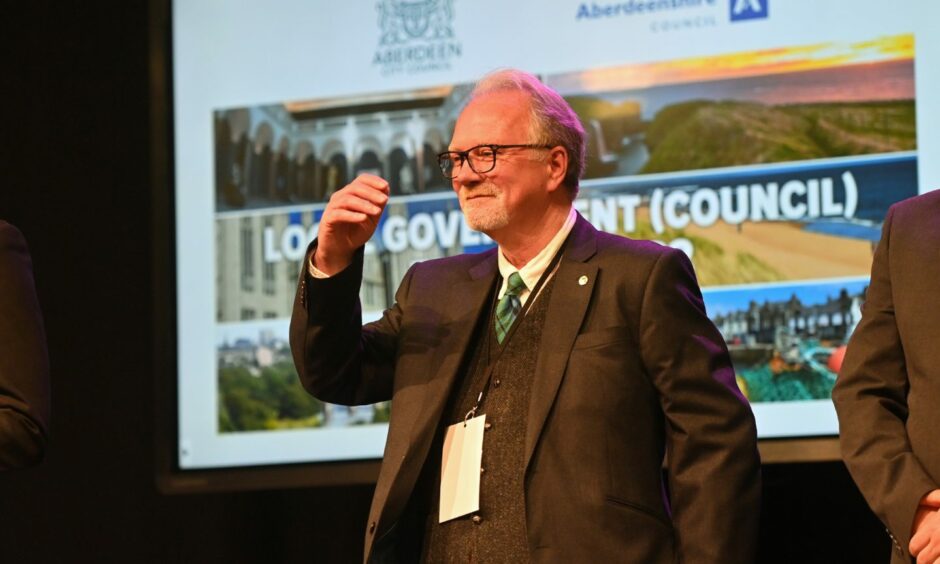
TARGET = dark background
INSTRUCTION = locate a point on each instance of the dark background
(77, 182)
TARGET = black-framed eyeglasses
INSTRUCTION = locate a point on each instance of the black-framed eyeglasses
(481, 158)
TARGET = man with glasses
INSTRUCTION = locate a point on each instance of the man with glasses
(537, 388)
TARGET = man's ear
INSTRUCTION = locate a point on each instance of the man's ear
(557, 164)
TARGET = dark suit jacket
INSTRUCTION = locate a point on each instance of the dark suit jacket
(629, 368)
(24, 381)
(888, 391)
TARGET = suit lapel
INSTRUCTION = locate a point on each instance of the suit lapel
(467, 300)
(568, 302)
(462, 305)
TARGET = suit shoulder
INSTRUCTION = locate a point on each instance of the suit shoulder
(609, 244)
(917, 218)
(927, 204)
(455, 263)
(10, 236)
(639, 260)
(13, 249)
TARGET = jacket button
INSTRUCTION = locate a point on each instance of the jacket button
(477, 519)
(371, 527)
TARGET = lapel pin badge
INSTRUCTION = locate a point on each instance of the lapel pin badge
(582, 281)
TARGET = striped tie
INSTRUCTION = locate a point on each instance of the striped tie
(509, 305)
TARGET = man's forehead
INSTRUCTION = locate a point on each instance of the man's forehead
(491, 115)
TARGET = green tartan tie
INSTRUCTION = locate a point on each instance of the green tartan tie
(509, 305)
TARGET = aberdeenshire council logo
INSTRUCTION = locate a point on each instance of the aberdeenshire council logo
(416, 36)
(749, 10)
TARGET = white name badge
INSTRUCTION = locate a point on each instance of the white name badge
(460, 469)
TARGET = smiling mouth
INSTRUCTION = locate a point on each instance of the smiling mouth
(475, 195)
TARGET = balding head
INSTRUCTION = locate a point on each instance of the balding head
(553, 121)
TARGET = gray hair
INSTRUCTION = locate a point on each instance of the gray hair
(553, 120)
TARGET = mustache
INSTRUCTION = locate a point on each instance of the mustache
(478, 191)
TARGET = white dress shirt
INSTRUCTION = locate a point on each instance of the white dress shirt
(534, 269)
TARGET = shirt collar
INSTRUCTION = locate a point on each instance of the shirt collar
(534, 269)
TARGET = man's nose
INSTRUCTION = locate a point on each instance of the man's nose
(466, 176)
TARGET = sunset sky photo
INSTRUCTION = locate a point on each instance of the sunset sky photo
(897, 51)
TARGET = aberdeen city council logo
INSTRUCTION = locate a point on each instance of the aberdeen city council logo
(416, 36)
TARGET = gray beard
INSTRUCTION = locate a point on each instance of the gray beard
(486, 218)
(487, 221)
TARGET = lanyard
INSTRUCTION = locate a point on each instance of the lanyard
(491, 364)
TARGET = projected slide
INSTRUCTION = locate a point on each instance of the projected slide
(766, 149)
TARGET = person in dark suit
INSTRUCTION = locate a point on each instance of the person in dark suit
(24, 367)
(888, 388)
(590, 356)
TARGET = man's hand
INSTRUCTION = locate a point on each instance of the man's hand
(348, 221)
(925, 544)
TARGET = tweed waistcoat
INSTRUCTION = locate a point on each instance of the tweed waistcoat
(496, 533)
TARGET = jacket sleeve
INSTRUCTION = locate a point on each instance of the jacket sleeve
(24, 365)
(870, 396)
(711, 440)
(339, 360)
